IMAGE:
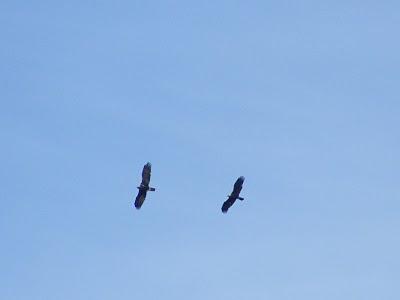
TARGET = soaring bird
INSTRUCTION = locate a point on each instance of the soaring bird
(144, 186)
(234, 195)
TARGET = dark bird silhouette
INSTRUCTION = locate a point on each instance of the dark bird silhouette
(234, 195)
(144, 186)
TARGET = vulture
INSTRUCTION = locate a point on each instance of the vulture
(144, 186)
(234, 195)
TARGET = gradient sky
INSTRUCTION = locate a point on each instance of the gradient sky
(300, 97)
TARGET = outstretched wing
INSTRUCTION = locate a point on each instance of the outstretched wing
(238, 185)
(146, 173)
(141, 196)
(227, 204)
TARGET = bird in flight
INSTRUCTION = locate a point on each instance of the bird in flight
(144, 186)
(234, 195)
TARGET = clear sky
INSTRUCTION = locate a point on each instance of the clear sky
(300, 97)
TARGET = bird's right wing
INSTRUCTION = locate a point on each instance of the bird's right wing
(146, 174)
(238, 185)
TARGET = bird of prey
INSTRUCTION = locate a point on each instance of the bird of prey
(234, 195)
(144, 186)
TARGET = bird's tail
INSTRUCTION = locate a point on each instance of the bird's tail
(152, 189)
(241, 198)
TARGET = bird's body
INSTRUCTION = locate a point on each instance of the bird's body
(234, 195)
(144, 186)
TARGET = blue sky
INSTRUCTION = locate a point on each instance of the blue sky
(300, 97)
